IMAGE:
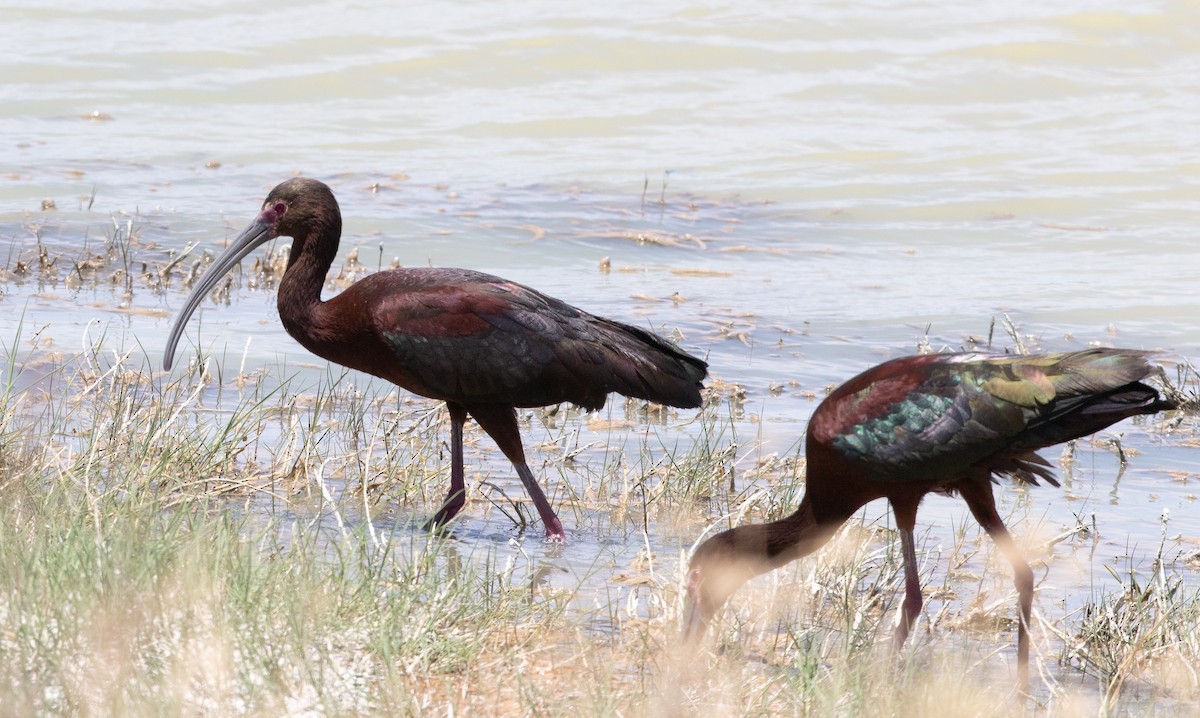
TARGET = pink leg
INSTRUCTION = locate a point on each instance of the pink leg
(978, 495)
(457, 496)
(500, 422)
(906, 519)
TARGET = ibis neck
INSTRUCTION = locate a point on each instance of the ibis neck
(783, 541)
(299, 299)
(728, 560)
(754, 549)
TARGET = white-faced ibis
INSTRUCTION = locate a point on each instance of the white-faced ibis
(482, 344)
(948, 423)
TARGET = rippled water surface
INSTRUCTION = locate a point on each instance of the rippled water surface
(799, 190)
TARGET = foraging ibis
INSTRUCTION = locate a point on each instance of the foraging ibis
(947, 423)
(482, 344)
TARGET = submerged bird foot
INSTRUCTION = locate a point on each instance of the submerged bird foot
(554, 531)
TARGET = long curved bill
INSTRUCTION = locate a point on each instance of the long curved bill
(696, 616)
(261, 231)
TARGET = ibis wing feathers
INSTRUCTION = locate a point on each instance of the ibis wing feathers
(474, 338)
(938, 417)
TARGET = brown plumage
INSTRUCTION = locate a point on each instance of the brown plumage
(482, 344)
(942, 422)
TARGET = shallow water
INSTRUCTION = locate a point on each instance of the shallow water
(800, 194)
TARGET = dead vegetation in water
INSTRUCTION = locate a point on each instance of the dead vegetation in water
(1141, 640)
(222, 544)
(178, 544)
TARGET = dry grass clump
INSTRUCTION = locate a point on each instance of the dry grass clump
(1142, 641)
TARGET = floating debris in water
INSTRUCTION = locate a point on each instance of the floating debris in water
(694, 272)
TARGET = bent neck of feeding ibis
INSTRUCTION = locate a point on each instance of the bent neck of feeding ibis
(726, 561)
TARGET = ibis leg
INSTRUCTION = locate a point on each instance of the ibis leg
(500, 422)
(906, 519)
(978, 495)
(456, 498)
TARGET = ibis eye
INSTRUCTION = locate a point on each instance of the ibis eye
(279, 208)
